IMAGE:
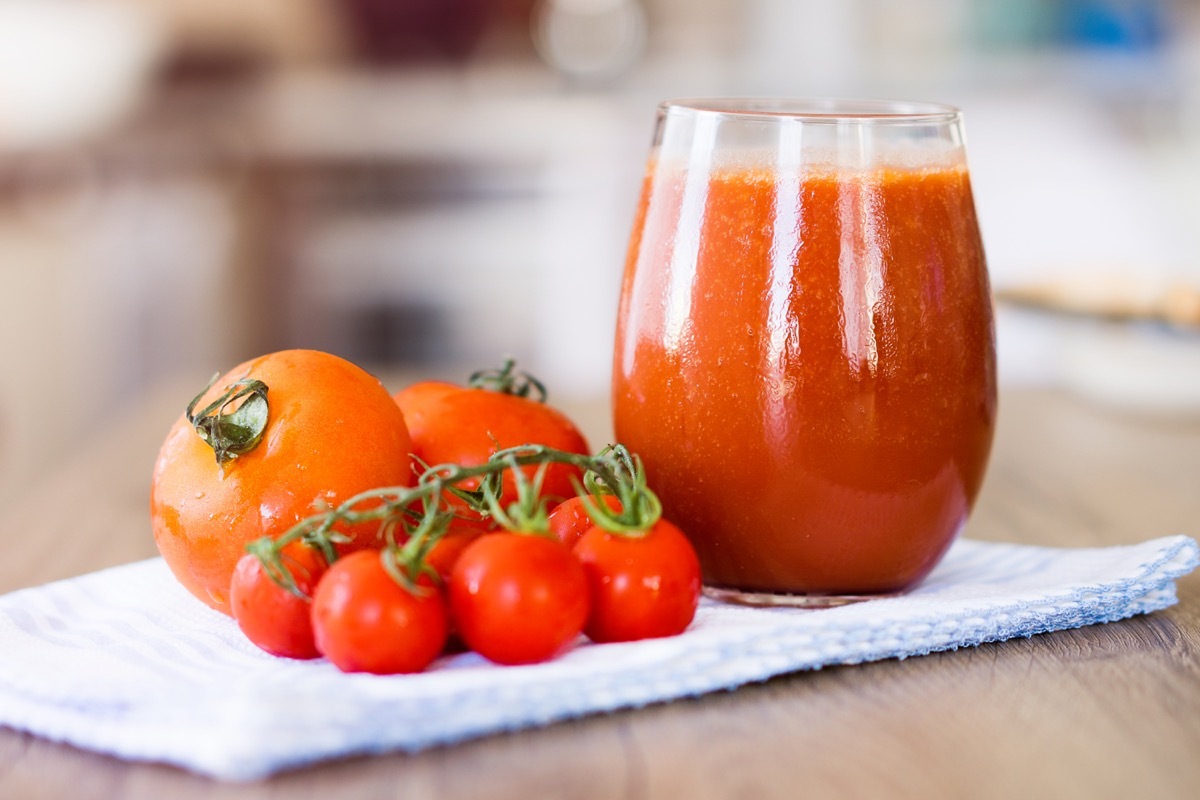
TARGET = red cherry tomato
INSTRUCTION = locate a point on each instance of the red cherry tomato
(364, 621)
(642, 587)
(518, 598)
(569, 520)
(269, 615)
(450, 547)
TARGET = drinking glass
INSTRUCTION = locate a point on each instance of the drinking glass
(805, 351)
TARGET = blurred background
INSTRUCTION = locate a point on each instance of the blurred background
(425, 185)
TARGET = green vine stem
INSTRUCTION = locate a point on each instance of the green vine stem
(640, 506)
(272, 564)
(407, 563)
(528, 514)
(235, 433)
(420, 512)
(508, 380)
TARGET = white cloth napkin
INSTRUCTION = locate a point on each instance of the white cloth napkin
(125, 662)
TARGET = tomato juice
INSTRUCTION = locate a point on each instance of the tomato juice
(805, 362)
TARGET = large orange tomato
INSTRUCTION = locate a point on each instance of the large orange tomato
(456, 425)
(331, 431)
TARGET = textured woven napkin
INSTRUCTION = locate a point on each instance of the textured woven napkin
(125, 662)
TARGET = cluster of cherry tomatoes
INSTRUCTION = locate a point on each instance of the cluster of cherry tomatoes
(331, 518)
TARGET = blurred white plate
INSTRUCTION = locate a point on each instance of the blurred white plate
(1137, 353)
(70, 69)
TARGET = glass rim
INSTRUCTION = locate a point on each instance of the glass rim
(818, 109)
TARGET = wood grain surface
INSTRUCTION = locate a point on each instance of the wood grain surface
(1104, 711)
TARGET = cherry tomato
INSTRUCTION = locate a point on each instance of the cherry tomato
(642, 587)
(364, 621)
(450, 547)
(569, 520)
(467, 426)
(332, 431)
(518, 598)
(269, 615)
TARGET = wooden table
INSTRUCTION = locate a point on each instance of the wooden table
(1104, 711)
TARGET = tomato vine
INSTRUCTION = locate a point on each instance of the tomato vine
(509, 380)
(421, 516)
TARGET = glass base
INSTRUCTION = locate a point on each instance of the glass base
(783, 600)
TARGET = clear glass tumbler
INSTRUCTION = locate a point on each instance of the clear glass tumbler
(805, 352)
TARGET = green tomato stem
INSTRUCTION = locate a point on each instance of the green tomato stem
(419, 510)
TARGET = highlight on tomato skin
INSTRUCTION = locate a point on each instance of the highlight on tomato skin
(331, 431)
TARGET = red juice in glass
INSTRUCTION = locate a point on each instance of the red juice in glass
(805, 355)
